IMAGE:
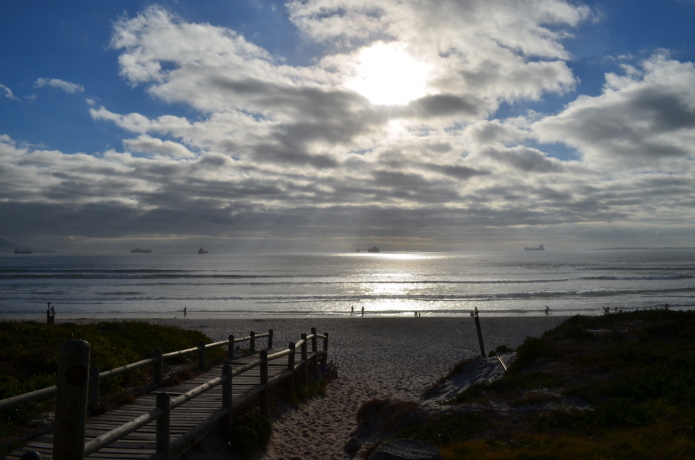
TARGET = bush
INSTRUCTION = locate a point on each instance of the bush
(250, 433)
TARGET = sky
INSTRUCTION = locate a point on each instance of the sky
(332, 125)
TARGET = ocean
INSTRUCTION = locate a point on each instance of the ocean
(386, 284)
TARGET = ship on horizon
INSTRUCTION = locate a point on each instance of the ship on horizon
(202, 251)
(538, 248)
(140, 251)
(373, 249)
(22, 251)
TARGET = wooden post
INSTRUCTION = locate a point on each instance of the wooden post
(158, 367)
(252, 342)
(201, 356)
(290, 367)
(305, 363)
(325, 348)
(315, 359)
(227, 397)
(48, 316)
(71, 401)
(164, 426)
(270, 339)
(265, 394)
(93, 386)
(480, 334)
(230, 347)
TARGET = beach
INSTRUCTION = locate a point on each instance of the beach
(386, 358)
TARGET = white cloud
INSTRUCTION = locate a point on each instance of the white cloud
(8, 93)
(60, 84)
(148, 144)
(643, 118)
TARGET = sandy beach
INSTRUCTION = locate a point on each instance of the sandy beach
(390, 358)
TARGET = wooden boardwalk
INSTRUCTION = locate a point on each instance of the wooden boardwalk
(141, 444)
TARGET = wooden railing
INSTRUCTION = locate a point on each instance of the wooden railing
(158, 361)
(75, 387)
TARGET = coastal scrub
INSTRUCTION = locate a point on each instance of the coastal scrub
(615, 386)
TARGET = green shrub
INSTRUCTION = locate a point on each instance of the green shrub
(250, 433)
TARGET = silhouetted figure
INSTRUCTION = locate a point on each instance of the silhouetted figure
(352, 311)
(666, 307)
(184, 312)
(53, 312)
(547, 310)
(362, 310)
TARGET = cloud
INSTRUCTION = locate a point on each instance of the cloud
(645, 117)
(148, 144)
(60, 84)
(8, 93)
(268, 150)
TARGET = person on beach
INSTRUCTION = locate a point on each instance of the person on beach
(53, 312)
(352, 311)
(547, 310)
(362, 310)
(184, 312)
(666, 307)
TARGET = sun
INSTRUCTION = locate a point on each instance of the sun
(387, 74)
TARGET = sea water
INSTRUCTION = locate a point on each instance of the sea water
(387, 284)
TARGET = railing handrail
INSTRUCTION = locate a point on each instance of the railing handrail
(27, 397)
(78, 352)
(16, 400)
(118, 433)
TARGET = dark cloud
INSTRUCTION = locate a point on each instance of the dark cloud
(525, 159)
(439, 105)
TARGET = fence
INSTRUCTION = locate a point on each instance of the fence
(77, 387)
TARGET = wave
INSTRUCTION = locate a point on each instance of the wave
(365, 297)
(638, 278)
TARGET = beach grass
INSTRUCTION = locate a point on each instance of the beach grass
(615, 386)
(29, 354)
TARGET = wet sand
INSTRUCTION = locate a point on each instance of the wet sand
(388, 358)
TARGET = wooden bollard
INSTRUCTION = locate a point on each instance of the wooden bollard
(71, 401)
(325, 349)
(230, 347)
(252, 342)
(315, 359)
(158, 367)
(305, 363)
(163, 442)
(227, 397)
(265, 394)
(201, 356)
(290, 367)
(270, 338)
(480, 334)
(93, 386)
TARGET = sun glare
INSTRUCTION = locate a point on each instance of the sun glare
(388, 75)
